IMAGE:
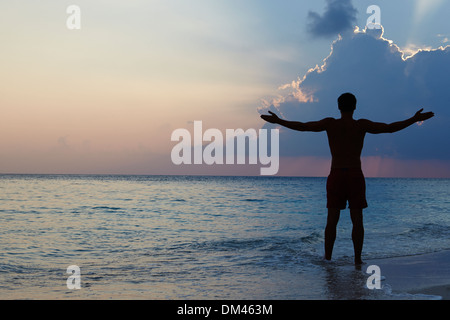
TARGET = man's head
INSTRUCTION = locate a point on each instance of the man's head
(347, 102)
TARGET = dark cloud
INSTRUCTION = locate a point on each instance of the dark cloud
(388, 88)
(339, 16)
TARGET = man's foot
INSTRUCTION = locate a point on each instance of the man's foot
(359, 262)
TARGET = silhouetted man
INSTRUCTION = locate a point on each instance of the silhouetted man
(346, 181)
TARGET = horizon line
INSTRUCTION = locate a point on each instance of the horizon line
(202, 175)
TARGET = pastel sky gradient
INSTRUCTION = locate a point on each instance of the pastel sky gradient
(105, 99)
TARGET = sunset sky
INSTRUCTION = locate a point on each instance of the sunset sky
(105, 99)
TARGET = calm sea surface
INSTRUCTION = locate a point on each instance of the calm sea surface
(191, 237)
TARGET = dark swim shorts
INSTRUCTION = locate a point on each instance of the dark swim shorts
(346, 185)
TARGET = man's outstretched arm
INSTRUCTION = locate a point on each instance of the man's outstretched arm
(315, 126)
(378, 127)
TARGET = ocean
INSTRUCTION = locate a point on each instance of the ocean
(205, 237)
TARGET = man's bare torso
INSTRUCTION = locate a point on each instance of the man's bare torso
(346, 140)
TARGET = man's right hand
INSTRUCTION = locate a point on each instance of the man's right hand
(419, 116)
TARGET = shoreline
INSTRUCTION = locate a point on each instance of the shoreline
(422, 274)
(441, 291)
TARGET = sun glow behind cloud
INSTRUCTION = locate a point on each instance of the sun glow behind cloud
(423, 8)
(423, 11)
(368, 65)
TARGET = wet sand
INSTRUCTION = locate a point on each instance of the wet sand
(427, 274)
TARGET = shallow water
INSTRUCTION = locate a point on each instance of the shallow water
(185, 237)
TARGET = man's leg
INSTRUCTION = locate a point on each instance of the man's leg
(330, 231)
(357, 233)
